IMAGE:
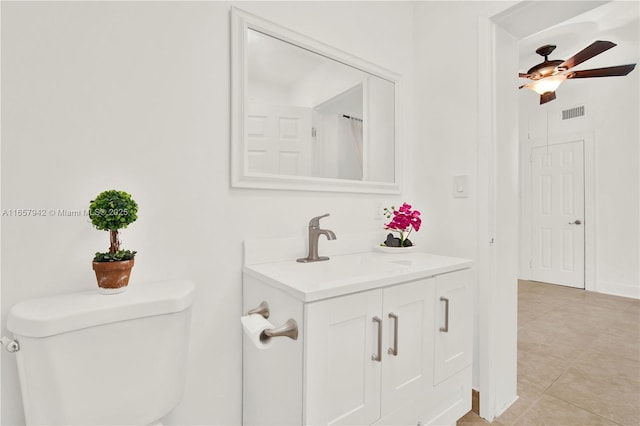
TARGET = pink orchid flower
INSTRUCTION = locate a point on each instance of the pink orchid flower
(404, 221)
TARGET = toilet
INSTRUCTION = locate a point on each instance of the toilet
(90, 359)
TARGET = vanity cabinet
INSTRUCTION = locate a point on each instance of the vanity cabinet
(368, 353)
(378, 353)
(454, 325)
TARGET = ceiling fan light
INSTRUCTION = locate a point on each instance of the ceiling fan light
(549, 84)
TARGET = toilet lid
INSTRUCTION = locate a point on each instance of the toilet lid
(48, 316)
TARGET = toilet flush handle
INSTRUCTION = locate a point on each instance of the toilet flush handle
(11, 345)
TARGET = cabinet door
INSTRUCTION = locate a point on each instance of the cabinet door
(342, 382)
(408, 336)
(453, 325)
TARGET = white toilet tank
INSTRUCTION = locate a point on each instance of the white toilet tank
(92, 359)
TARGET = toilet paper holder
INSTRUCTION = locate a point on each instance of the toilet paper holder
(288, 329)
(261, 309)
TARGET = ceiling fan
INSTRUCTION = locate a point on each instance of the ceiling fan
(548, 74)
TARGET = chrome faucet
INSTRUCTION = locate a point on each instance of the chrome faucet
(314, 235)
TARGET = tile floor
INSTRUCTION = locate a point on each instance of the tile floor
(578, 359)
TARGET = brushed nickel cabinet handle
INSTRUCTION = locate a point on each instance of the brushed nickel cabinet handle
(378, 356)
(445, 329)
(394, 351)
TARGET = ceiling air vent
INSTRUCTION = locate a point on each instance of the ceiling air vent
(574, 112)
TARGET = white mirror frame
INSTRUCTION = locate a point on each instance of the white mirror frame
(241, 21)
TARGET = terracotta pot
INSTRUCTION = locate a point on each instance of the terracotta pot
(113, 277)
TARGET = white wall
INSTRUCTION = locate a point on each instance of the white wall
(504, 309)
(446, 128)
(453, 137)
(611, 121)
(135, 96)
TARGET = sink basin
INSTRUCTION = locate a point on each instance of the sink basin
(351, 273)
(340, 268)
(402, 262)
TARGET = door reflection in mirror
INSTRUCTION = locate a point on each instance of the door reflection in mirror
(309, 115)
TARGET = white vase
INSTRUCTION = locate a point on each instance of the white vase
(394, 250)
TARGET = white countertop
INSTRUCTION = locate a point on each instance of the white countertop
(351, 273)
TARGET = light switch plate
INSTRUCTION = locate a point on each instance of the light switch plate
(461, 186)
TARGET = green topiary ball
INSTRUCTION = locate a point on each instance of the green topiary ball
(113, 210)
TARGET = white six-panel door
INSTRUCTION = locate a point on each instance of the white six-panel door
(279, 140)
(557, 214)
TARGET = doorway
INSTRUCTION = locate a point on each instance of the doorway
(498, 128)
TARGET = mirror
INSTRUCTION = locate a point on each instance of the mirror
(309, 116)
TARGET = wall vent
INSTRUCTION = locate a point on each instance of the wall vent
(574, 112)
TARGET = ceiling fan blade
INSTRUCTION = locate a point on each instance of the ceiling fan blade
(547, 97)
(523, 75)
(595, 48)
(616, 71)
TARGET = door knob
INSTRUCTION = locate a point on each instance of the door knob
(575, 222)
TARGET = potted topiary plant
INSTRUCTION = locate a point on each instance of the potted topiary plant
(110, 211)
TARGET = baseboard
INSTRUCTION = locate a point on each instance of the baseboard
(475, 403)
(618, 289)
(506, 406)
